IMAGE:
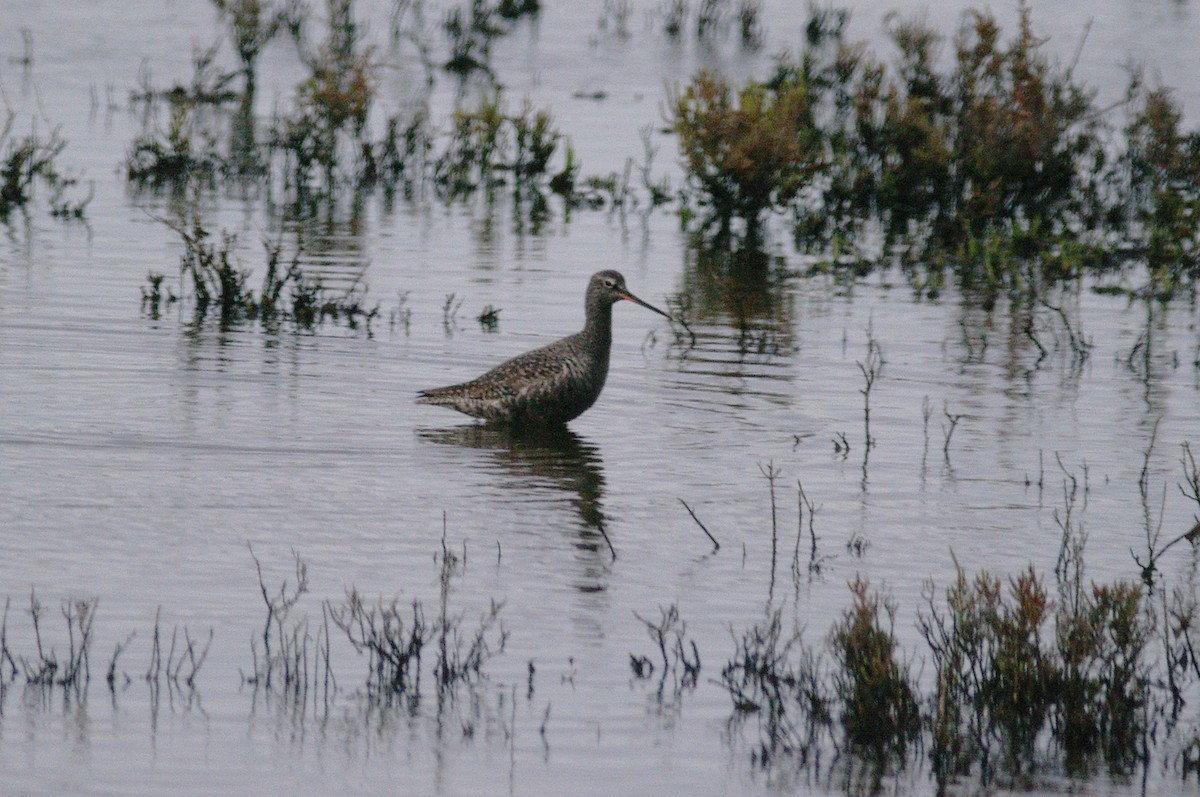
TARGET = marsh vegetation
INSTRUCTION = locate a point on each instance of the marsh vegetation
(939, 239)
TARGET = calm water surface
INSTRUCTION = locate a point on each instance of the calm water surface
(140, 458)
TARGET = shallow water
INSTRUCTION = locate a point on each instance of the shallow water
(140, 459)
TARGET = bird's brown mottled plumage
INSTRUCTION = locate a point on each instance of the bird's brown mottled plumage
(553, 384)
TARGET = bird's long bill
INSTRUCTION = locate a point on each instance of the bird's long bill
(629, 297)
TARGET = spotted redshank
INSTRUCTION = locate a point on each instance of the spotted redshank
(553, 384)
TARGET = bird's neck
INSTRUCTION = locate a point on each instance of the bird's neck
(597, 331)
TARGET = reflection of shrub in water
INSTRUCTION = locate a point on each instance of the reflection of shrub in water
(778, 680)
(328, 123)
(252, 24)
(470, 32)
(471, 29)
(1163, 193)
(329, 139)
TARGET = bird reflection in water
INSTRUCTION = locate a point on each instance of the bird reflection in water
(554, 454)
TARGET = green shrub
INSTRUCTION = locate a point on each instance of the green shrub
(1163, 167)
(991, 152)
(1001, 679)
(746, 154)
(880, 715)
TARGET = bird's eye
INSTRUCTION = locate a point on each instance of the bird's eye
(610, 283)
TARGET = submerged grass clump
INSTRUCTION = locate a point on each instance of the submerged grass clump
(292, 658)
(320, 144)
(182, 154)
(45, 668)
(1010, 666)
(973, 153)
(391, 643)
(678, 656)
(489, 148)
(173, 663)
(216, 282)
(155, 297)
(337, 135)
(489, 318)
(29, 161)
(993, 686)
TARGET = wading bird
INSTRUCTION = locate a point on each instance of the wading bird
(553, 384)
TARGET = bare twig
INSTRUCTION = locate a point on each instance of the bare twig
(871, 370)
(716, 545)
(111, 677)
(802, 503)
(772, 473)
(949, 432)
